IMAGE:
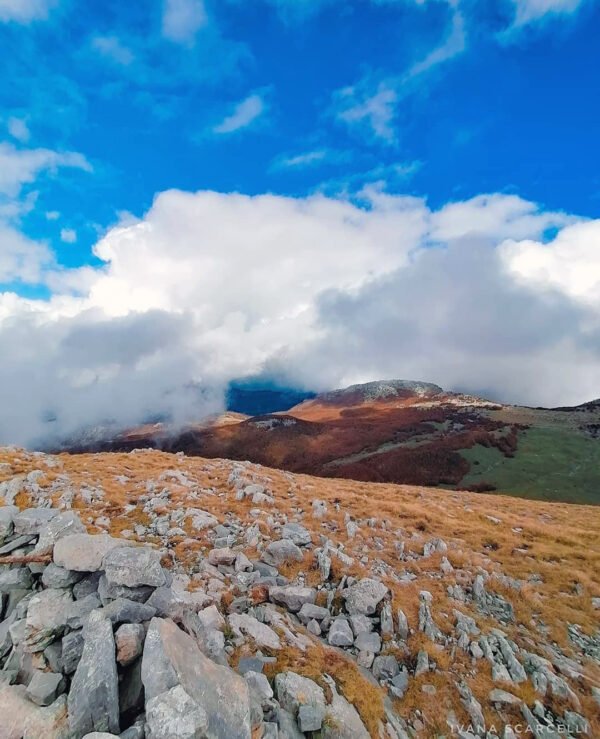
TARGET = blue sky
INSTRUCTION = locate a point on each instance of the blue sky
(511, 109)
(319, 136)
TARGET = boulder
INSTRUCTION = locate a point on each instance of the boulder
(172, 657)
(129, 639)
(368, 642)
(365, 596)
(94, 696)
(72, 649)
(32, 520)
(294, 690)
(261, 634)
(64, 524)
(340, 633)
(175, 715)
(133, 567)
(296, 533)
(280, 552)
(19, 578)
(223, 556)
(22, 719)
(84, 552)
(293, 597)
(46, 619)
(123, 610)
(7, 514)
(57, 577)
(45, 687)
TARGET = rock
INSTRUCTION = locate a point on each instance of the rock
(122, 610)
(7, 514)
(131, 692)
(223, 556)
(292, 597)
(175, 715)
(133, 567)
(210, 618)
(293, 691)
(360, 624)
(17, 543)
(22, 719)
(422, 663)
(87, 585)
(172, 657)
(110, 591)
(84, 552)
(129, 641)
(45, 687)
(340, 633)
(170, 603)
(94, 695)
(385, 667)
(310, 717)
(280, 552)
(32, 520)
(296, 533)
(502, 696)
(341, 718)
(78, 612)
(64, 524)
(242, 563)
(259, 684)
(72, 649)
(18, 578)
(368, 642)
(387, 619)
(364, 597)
(46, 620)
(310, 611)
(57, 577)
(263, 635)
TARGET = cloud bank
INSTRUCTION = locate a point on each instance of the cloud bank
(321, 291)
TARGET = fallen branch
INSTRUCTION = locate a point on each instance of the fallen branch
(25, 559)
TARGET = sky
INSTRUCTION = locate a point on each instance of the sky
(320, 192)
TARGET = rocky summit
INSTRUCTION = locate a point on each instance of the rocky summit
(154, 595)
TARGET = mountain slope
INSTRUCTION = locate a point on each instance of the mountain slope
(404, 432)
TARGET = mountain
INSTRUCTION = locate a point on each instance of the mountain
(159, 595)
(405, 432)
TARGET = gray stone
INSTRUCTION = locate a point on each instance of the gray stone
(280, 552)
(88, 584)
(122, 610)
(296, 533)
(79, 611)
(133, 566)
(294, 690)
(170, 603)
(364, 597)
(57, 577)
(340, 633)
(19, 578)
(94, 695)
(385, 667)
(172, 657)
(261, 634)
(72, 649)
(22, 719)
(502, 696)
(175, 715)
(293, 597)
(222, 556)
(368, 642)
(310, 611)
(46, 618)
(131, 691)
(259, 684)
(32, 520)
(129, 640)
(45, 687)
(84, 552)
(310, 717)
(64, 524)
(109, 591)
(17, 543)
(7, 514)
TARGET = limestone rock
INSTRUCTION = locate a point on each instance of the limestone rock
(365, 596)
(84, 552)
(133, 567)
(175, 715)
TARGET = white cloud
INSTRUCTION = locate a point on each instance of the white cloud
(112, 48)
(22, 259)
(371, 110)
(19, 167)
(182, 19)
(25, 11)
(244, 114)
(18, 129)
(52, 215)
(529, 11)
(209, 286)
(453, 45)
(68, 235)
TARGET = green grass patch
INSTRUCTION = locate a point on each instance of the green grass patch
(550, 464)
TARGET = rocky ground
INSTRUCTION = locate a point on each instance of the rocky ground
(149, 594)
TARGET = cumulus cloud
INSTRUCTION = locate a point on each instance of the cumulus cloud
(244, 114)
(207, 287)
(529, 11)
(68, 235)
(18, 129)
